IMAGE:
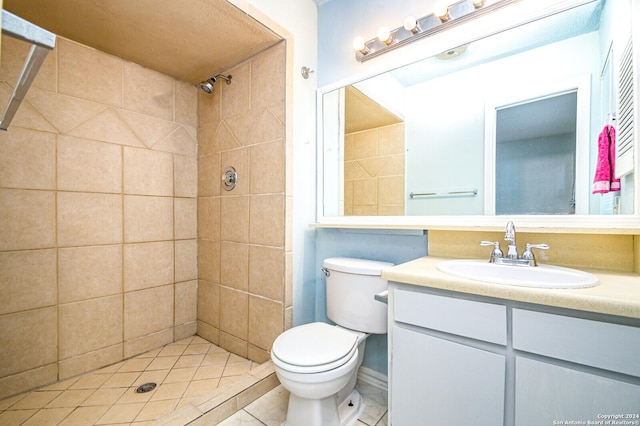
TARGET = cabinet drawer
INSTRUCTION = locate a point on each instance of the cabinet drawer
(598, 344)
(477, 320)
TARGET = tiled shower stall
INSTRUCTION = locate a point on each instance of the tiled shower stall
(115, 237)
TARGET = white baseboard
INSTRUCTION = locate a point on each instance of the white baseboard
(373, 378)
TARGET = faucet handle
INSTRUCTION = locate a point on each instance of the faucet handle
(528, 254)
(496, 252)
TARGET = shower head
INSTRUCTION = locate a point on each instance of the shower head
(207, 85)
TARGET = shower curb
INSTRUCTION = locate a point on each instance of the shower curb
(225, 401)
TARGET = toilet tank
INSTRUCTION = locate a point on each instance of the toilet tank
(351, 287)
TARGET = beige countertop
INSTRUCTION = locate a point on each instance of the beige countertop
(617, 294)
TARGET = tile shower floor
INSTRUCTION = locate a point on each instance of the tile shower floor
(185, 371)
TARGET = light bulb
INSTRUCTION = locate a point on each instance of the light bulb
(360, 46)
(384, 35)
(410, 24)
(441, 10)
(478, 3)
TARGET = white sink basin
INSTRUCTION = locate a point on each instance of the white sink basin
(541, 276)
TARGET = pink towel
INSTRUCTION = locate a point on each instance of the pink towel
(605, 177)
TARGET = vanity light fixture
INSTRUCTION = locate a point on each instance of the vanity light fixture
(446, 14)
(441, 10)
(411, 24)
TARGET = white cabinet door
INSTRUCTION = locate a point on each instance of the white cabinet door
(438, 382)
(548, 394)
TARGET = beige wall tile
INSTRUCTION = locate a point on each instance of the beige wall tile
(234, 265)
(267, 220)
(90, 361)
(14, 53)
(21, 333)
(186, 103)
(148, 311)
(148, 342)
(27, 159)
(209, 175)
(147, 91)
(209, 303)
(186, 303)
(365, 145)
(265, 321)
(209, 260)
(391, 139)
(234, 307)
(186, 218)
(209, 108)
(89, 272)
(88, 219)
(63, 112)
(288, 293)
(185, 175)
(233, 344)
(85, 165)
(108, 126)
(234, 219)
(236, 97)
(147, 218)
(391, 190)
(186, 260)
(267, 128)
(181, 141)
(80, 67)
(29, 379)
(27, 280)
(268, 76)
(268, 167)
(209, 218)
(147, 172)
(365, 192)
(187, 329)
(148, 265)
(266, 277)
(27, 219)
(90, 325)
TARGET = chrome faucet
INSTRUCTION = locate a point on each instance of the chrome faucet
(527, 259)
(510, 235)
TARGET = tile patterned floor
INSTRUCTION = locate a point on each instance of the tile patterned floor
(186, 372)
(271, 408)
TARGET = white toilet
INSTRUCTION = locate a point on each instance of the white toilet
(317, 362)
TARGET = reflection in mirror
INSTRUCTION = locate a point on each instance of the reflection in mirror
(536, 156)
(441, 104)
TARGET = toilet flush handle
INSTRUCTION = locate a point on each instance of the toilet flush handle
(326, 272)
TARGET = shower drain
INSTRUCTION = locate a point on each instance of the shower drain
(147, 387)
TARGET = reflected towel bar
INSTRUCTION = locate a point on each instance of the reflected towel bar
(471, 192)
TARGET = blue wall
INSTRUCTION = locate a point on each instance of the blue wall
(396, 246)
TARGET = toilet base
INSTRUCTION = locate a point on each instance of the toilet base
(325, 411)
(350, 409)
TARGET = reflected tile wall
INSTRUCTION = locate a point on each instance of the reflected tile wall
(374, 172)
(242, 244)
(98, 212)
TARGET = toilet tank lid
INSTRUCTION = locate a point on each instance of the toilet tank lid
(356, 266)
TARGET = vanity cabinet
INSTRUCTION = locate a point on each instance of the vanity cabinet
(462, 359)
(577, 369)
(438, 377)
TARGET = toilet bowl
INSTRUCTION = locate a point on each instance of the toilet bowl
(318, 362)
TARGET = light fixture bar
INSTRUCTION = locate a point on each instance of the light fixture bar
(458, 13)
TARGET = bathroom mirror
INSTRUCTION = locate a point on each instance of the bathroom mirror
(417, 144)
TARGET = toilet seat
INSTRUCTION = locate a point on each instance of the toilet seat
(314, 348)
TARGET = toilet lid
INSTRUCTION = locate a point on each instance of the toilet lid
(314, 345)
